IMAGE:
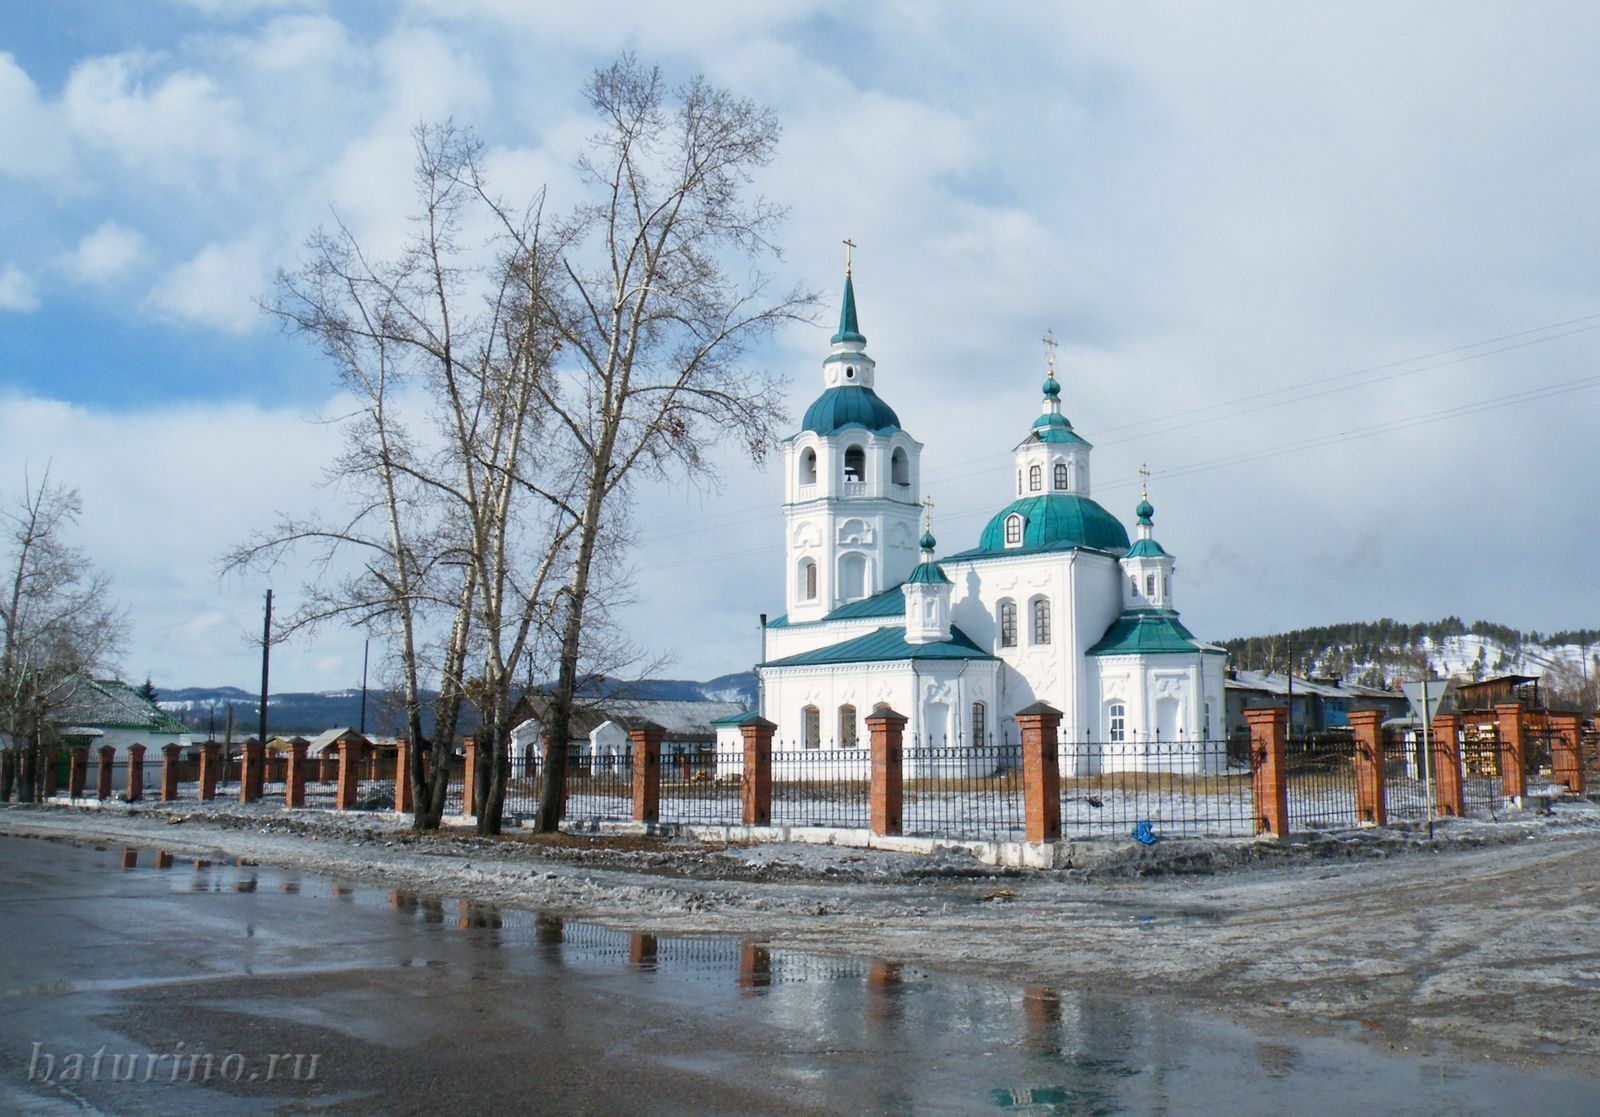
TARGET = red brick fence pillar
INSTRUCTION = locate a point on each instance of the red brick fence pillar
(102, 783)
(402, 776)
(135, 791)
(169, 772)
(344, 798)
(755, 784)
(1513, 750)
(886, 729)
(76, 771)
(1566, 761)
(1449, 792)
(1269, 736)
(210, 759)
(1371, 798)
(645, 740)
(254, 765)
(294, 776)
(1041, 771)
(469, 777)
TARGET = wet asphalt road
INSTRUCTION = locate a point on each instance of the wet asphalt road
(409, 1005)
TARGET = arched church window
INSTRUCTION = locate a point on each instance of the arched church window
(1041, 620)
(1133, 585)
(811, 728)
(1149, 585)
(1013, 530)
(808, 467)
(899, 467)
(980, 722)
(808, 579)
(1019, 482)
(1117, 721)
(1035, 479)
(847, 727)
(855, 464)
(1008, 624)
(1061, 476)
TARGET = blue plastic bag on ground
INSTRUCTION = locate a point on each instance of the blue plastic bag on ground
(1145, 833)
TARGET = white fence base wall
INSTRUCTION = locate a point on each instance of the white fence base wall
(1002, 854)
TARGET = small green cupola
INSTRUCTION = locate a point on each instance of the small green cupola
(927, 591)
(1147, 566)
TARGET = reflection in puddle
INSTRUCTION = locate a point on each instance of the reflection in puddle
(850, 1028)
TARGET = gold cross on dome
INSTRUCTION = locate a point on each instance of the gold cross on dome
(849, 247)
(927, 513)
(1144, 482)
(1050, 345)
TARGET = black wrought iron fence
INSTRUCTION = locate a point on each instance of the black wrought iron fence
(955, 790)
(1177, 788)
(702, 784)
(599, 785)
(821, 787)
(1320, 777)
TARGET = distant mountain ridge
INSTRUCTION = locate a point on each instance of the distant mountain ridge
(205, 709)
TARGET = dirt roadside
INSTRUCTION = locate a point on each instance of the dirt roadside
(1485, 942)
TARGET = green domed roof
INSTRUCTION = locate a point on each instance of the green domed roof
(1054, 429)
(1146, 548)
(1145, 511)
(927, 542)
(1055, 522)
(850, 406)
(928, 573)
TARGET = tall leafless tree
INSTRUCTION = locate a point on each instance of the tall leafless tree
(58, 624)
(657, 300)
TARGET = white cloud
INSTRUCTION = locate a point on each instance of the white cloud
(16, 290)
(106, 253)
(217, 287)
(169, 127)
(32, 142)
(166, 490)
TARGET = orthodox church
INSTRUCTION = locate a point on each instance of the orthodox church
(1054, 603)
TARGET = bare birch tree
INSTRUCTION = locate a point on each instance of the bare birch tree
(657, 299)
(57, 622)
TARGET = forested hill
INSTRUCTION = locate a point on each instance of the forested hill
(1377, 653)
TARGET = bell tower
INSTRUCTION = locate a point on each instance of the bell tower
(852, 487)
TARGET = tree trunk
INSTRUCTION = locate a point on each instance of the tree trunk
(8, 774)
(29, 774)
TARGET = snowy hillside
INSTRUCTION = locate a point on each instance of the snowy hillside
(1379, 653)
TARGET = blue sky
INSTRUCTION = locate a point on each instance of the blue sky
(1206, 203)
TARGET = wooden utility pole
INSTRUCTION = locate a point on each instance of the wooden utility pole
(266, 653)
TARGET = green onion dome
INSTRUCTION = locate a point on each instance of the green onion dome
(850, 406)
(1055, 522)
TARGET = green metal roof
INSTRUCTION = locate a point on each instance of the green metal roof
(850, 405)
(113, 704)
(890, 603)
(738, 719)
(1149, 632)
(886, 645)
(1146, 548)
(929, 573)
(1054, 430)
(1052, 522)
(848, 330)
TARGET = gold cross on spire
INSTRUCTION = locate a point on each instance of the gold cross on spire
(927, 513)
(849, 247)
(1144, 482)
(1050, 351)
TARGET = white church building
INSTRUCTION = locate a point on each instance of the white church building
(1055, 603)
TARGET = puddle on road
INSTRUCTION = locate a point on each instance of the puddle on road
(863, 1034)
